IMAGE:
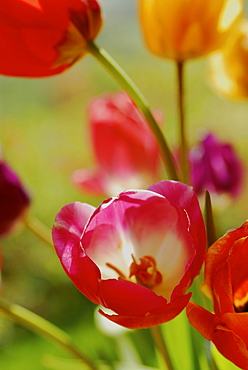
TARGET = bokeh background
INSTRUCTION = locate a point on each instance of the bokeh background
(44, 137)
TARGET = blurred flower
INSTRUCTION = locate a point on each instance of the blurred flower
(226, 281)
(125, 150)
(14, 199)
(215, 166)
(228, 67)
(136, 254)
(185, 29)
(43, 37)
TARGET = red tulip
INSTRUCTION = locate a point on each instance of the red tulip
(136, 254)
(44, 37)
(226, 281)
(126, 151)
(14, 199)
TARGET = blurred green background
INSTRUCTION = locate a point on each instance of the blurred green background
(44, 137)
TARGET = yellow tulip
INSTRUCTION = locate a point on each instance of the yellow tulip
(184, 29)
(229, 66)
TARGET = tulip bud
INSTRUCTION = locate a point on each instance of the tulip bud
(14, 199)
(126, 152)
(185, 29)
(216, 167)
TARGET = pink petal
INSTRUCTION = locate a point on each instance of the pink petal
(183, 196)
(89, 180)
(160, 230)
(68, 227)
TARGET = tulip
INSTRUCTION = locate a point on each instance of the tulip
(185, 29)
(228, 67)
(14, 199)
(136, 254)
(43, 37)
(216, 167)
(226, 281)
(126, 151)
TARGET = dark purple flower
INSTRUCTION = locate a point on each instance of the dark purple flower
(215, 166)
(14, 199)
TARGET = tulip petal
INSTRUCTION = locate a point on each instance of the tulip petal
(159, 230)
(238, 322)
(137, 306)
(105, 239)
(67, 230)
(183, 196)
(127, 298)
(89, 180)
(202, 320)
(232, 347)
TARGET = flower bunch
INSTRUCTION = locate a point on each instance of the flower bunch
(139, 254)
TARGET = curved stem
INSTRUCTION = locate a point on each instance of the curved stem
(39, 229)
(127, 84)
(160, 344)
(181, 111)
(37, 324)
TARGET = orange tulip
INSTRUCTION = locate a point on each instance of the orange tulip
(228, 67)
(184, 29)
(226, 281)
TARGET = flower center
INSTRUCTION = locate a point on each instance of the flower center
(145, 272)
(240, 298)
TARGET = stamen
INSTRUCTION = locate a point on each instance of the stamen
(145, 272)
(121, 275)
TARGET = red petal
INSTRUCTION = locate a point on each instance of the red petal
(153, 318)
(220, 251)
(127, 298)
(238, 322)
(202, 320)
(232, 347)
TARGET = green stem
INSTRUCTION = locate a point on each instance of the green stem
(37, 324)
(39, 229)
(160, 344)
(181, 111)
(127, 84)
(209, 220)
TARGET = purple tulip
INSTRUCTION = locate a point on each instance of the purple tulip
(215, 166)
(14, 199)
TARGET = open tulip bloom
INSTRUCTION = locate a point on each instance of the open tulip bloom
(136, 254)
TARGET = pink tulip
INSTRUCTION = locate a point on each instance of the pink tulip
(126, 152)
(136, 254)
